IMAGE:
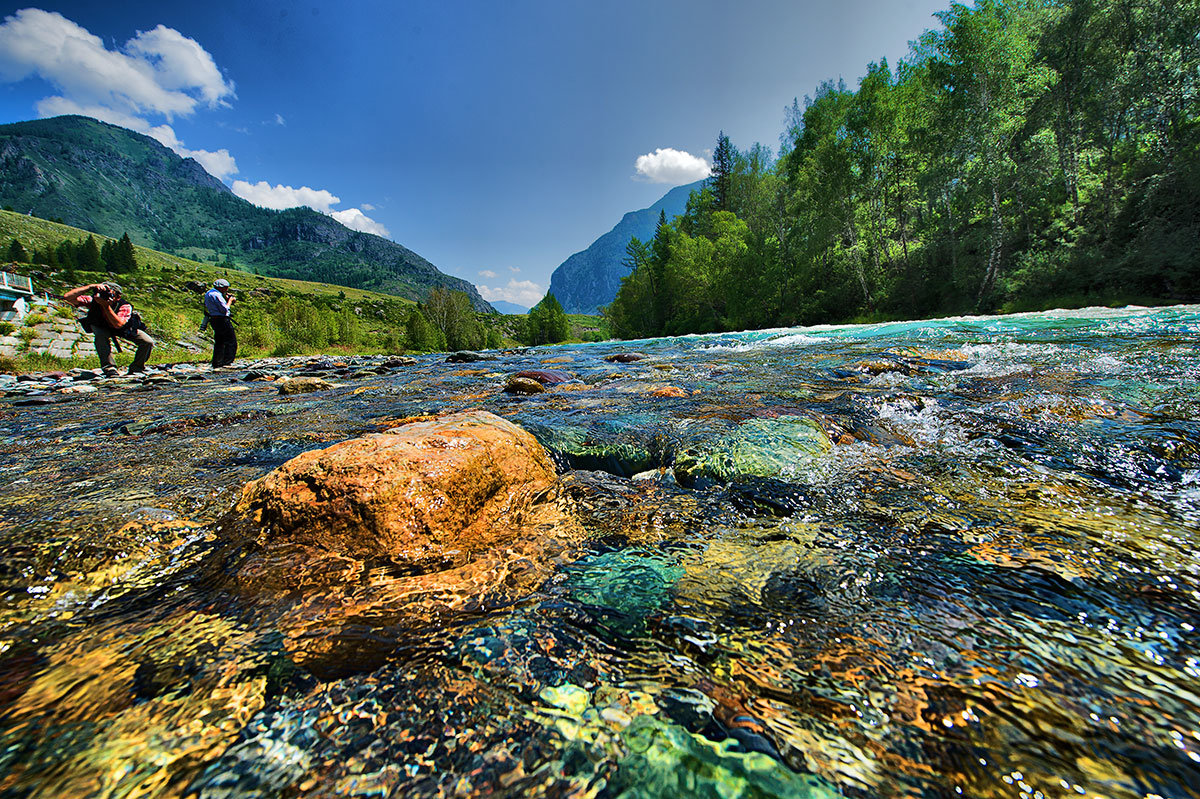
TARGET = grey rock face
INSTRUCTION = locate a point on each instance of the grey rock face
(591, 278)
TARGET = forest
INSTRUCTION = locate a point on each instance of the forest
(1026, 154)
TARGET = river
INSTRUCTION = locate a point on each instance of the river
(926, 559)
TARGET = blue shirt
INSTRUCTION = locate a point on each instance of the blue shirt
(214, 303)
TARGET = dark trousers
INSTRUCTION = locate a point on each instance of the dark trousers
(224, 341)
(103, 340)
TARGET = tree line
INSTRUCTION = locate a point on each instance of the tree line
(1026, 154)
(69, 255)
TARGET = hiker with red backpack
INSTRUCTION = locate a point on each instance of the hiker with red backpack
(110, 316)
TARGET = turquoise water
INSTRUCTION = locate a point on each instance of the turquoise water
(954, 557)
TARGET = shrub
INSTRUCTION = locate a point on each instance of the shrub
(6, 328)
(259, 334)
(34, 319)
(166, 325)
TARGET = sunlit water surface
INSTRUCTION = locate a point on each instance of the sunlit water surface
(942, 558)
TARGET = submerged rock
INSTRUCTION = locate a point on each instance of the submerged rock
(547, 377)
(622, 447)
(757, 447)
(303, 385)
(625, 357)
(466, 356)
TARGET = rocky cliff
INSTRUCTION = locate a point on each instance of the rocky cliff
(591, 278)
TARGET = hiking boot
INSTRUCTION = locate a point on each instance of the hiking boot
(135, 370)
(110, 371)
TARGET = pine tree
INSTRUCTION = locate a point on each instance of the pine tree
(107, 259)
(125, 256)
(16, 253)
(89, 255)
(722, 171)
(420, 334)
(546, 323)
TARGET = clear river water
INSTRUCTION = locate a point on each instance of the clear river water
(930, 559)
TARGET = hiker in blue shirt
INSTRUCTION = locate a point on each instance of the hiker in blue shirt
(217, 303)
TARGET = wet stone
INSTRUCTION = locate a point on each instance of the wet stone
(547, 377)
(467, 356)
(34, 400)
(303, 385)
(523, 385)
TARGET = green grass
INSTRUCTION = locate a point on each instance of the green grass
(272, 316)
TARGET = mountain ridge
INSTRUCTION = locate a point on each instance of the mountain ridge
(111, 180)
(591, 277)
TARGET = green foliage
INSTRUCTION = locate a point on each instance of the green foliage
(421, 335)
(450, 312)
(6, 328)
(88, 255)
(16, 253)
(1025, 154)
(546, 323)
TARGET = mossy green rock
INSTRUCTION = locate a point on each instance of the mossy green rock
(776, 447)
(667, 760)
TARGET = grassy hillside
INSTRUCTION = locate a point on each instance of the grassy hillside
(272, 315)
(110, 180)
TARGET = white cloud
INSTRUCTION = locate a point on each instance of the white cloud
(219, 163)
(666, 165)
(279, 120)
(368, 207)
(521, 292)
(279, 197)
(514, 269)
(158, 72)
(180, 64)
(357, 220)
(488, 273)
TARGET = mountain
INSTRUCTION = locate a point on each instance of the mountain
(590, 279)
(508, 307)
(110, 180)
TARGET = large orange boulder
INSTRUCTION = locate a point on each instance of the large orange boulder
(394, 531)
(434, 490)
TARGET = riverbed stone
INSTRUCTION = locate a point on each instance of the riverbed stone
(547, 377)
(463, 508)
(439, 489)
(303, 385)
(778, 447)
(523, 385)
(466, 356)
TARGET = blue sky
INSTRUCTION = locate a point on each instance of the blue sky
(493, 138)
